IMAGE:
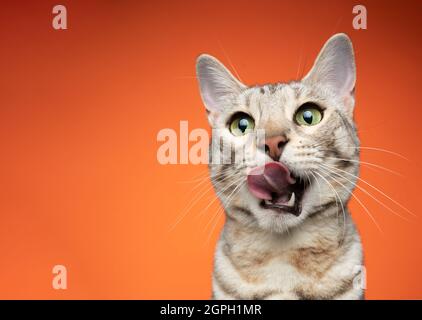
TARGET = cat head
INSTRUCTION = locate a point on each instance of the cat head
(306, 164)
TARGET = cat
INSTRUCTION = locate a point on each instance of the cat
(288, 233)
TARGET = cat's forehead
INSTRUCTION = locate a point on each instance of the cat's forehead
(276, 100)
(285, 96)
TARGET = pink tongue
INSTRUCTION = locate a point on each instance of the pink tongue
(265, 181)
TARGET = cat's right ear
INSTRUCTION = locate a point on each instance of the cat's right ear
(335, 68)
(217, 85)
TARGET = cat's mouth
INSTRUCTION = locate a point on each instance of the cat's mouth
(294, 203)
(277, 188)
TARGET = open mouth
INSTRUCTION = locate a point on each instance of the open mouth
(294, 195)
(277, 188)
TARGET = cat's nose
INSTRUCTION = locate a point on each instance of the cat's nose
(274, 146)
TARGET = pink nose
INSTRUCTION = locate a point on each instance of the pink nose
(274, 146)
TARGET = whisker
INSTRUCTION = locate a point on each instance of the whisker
(319, 187)
(224, 204)
(362, 147)
(220, 193)
(229, 60)
(208, 177)
(368, 164)
(199, 177)
(335, 198)
(336, 195)
(366, 192)
(300, 61)
(380, 191)
(200, 194)
(381, 150)
(360, 202)
(220, 210)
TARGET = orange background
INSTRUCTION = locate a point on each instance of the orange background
(81, 109)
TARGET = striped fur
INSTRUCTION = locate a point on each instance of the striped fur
(262, 254)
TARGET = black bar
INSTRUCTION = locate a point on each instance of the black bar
(202, 309)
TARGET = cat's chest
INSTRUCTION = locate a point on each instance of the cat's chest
(284, 266)
(271, 274)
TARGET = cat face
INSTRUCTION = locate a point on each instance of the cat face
(307, 162)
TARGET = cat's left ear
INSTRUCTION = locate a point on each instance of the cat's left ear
(217, 85)
(335, 68)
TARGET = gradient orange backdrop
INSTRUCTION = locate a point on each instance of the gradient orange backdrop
(81, 109)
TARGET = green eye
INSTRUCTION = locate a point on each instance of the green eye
(308, 115)
(241, 124)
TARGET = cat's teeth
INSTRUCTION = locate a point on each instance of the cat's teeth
(290, 203)
(292, 200)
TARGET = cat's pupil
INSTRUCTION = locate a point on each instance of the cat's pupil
(243, 124)
(307, 116)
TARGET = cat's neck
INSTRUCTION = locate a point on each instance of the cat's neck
(322, 230)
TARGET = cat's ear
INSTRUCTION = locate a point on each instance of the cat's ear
(335, 68)
(217, 85)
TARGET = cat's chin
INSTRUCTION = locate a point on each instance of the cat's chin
(278, 222)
